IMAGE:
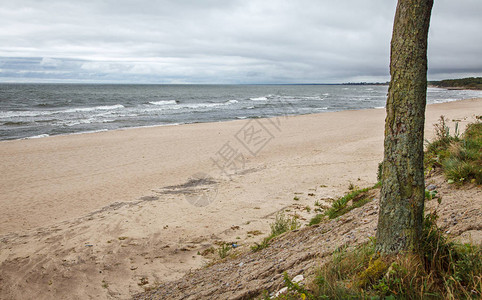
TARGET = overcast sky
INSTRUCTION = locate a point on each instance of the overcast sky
(224, 41)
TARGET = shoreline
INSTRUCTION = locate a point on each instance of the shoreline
(41, 136)
(121, 135)
(117, 206)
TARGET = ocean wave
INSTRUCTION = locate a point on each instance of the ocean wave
(88, 131)
(258, 99)
(37, 113)
(201, 105)
(189, 106)
(87, 109)
(163, 102)
(53, 105)
(312, 98)
(70, 123)
(23, 113)
(13, 123)
(37, 136)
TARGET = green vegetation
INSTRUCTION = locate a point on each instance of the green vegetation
(224, 250)
(254, 232)
(474, 83)
(460, 157)
(316, 219)
(105, 285)
(445, 270)
(281, 225)
(429, 195)
(358, 198)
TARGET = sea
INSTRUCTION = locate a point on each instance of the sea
(42, 110)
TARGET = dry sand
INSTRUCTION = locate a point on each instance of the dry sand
(104, 215)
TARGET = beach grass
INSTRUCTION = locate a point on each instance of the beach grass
(459, 156)
(281, 225)
(342, 205)
(444, 270)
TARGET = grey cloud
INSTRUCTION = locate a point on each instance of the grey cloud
(218, 41)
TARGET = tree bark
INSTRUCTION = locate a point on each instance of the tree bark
(403, 187)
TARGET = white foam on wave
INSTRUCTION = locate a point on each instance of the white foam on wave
(201, 105)
(37, 113)
(312, 98)
(27, 113)
(110, 109)
(86, 109)
(163, 102)
(37, 136)
(188, 106)
(71, 123)
(89, 131)
(258, 99)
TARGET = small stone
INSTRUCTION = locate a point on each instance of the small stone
(241, 264)
(282, 291)
(431, 187)
(298, 278)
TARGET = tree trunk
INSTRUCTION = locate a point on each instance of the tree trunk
(403, 187)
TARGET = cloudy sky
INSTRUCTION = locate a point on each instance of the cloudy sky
(224, 41)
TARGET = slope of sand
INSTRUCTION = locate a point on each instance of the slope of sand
(107, 214)
(301, 252)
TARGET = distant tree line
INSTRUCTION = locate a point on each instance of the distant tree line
(471, 83)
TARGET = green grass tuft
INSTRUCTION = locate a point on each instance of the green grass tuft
(340, 206)
(281, 225)
(459, 157)
(358, 197)
(316, 219)
(223, 251)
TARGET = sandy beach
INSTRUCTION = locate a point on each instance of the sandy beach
(104, 215)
